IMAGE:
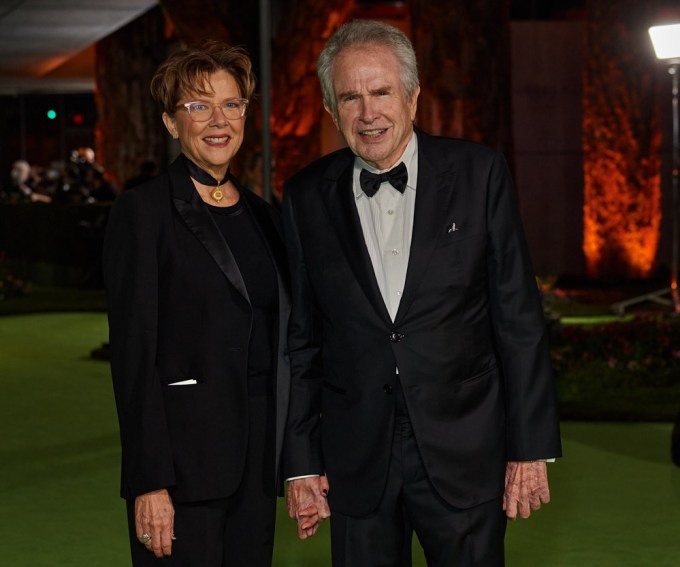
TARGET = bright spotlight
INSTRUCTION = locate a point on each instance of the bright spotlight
(666, 41)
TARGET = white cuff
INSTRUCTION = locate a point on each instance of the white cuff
(303, 476)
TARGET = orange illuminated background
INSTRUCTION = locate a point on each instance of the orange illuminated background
(621, 152)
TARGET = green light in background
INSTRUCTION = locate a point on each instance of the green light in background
(51, 114)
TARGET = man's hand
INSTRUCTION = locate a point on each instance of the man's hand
(526, 488)
(154, 517)
(307, 503)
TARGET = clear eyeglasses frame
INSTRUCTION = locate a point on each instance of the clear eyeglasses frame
(200, 111)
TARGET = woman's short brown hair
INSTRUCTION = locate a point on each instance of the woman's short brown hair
(188, 71)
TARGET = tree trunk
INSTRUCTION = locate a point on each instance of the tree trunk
(129, 129)
(463, 51)
(194, 22)
(621, 143)
(235, 23)
(296, 95)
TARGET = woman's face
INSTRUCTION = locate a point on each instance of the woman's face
(210, 144)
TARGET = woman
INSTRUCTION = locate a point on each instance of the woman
(198, 306)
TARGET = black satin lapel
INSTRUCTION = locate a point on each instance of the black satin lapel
(197, 217)
(342, 210)
(434, 192)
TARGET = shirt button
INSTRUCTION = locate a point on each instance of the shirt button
(390, 211)
(395, 252)
(398, 292)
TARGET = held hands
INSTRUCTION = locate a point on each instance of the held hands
(154, 521)
(306, 500)
(526, 488)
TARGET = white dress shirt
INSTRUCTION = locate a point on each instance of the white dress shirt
(387, 223)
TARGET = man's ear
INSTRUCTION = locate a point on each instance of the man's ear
(333, 116)
(170, 124)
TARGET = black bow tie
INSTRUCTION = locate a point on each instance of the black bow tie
(397, 177)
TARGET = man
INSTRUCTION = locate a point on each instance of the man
(24, 184)
(422, 395)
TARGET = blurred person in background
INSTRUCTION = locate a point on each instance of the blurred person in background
(24, 184)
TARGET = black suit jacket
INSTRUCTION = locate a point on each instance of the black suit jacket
(469, 339)
(179, 310)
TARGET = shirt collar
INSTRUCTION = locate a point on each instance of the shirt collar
(409, 157)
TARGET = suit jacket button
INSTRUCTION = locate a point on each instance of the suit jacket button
(396, 337)
(387, 388)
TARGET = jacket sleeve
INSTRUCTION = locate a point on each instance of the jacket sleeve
(519, 327)
(302, 443)
(130, 266)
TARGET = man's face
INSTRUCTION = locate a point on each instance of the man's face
(20, 171)
(374, 114)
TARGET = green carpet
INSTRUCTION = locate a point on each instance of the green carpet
(616, 496)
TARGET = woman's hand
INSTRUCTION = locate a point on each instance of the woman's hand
(154, 521)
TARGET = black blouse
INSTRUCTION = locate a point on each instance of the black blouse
(259, 275)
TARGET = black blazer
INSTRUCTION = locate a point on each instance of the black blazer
(179, 310)
(469, 339)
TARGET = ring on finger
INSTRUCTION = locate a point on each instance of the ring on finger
(146, 538)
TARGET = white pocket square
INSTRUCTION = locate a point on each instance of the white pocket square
(189, 382)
